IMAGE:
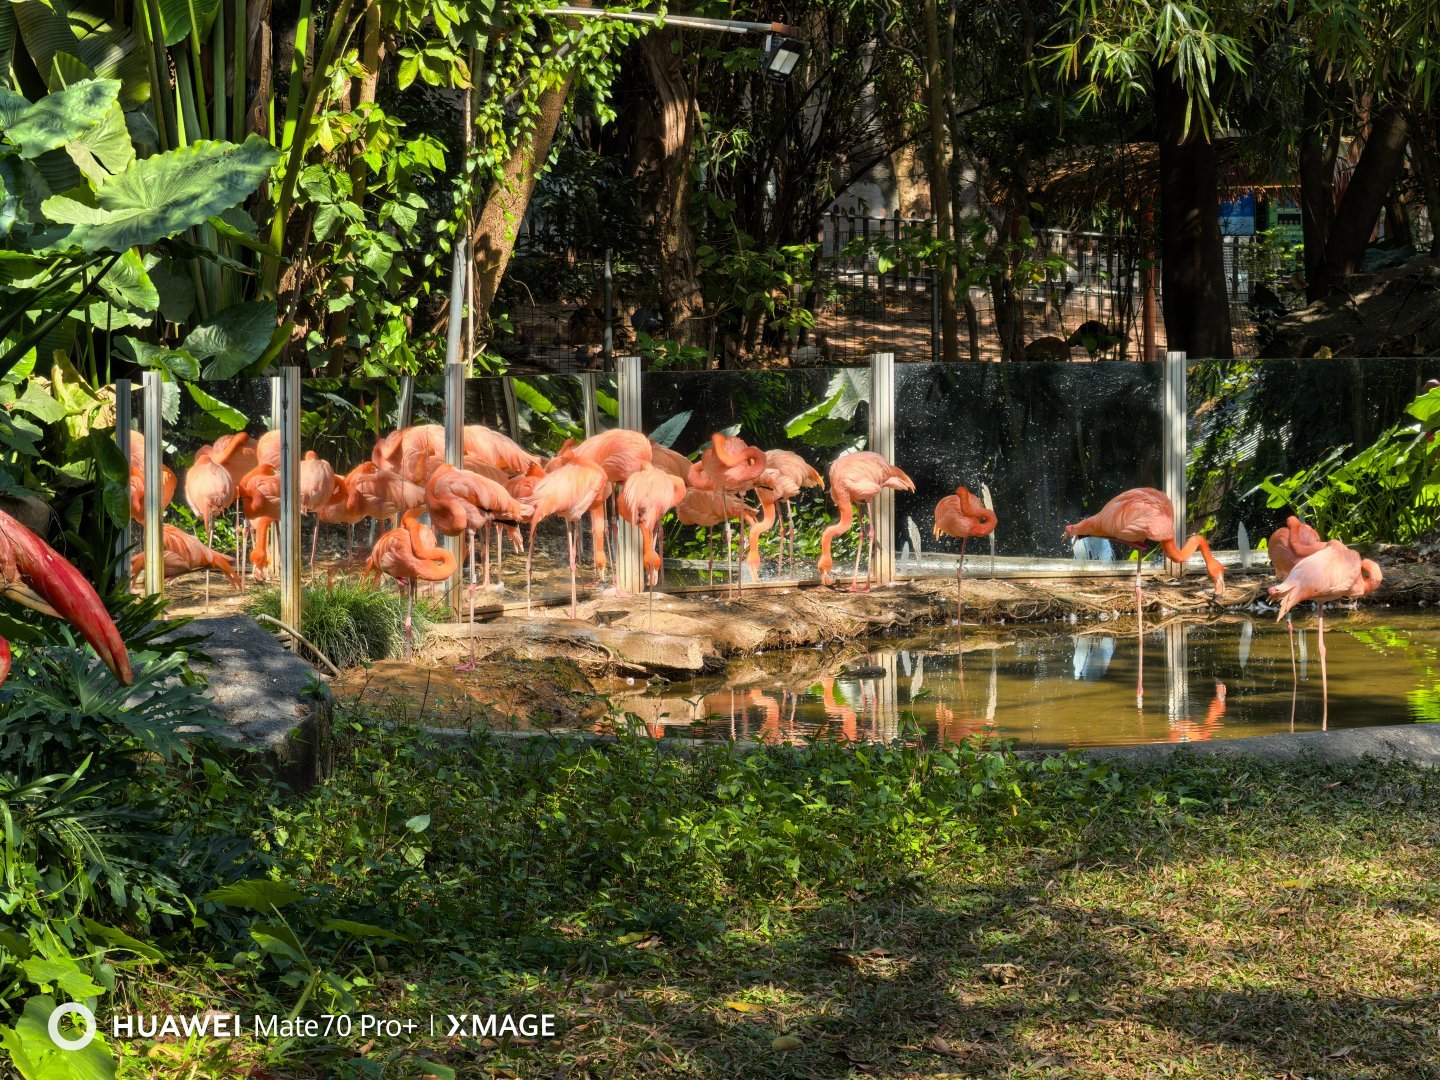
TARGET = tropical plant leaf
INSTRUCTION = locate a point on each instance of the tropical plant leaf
(233, 339)
(165, 194)
(231, 417)
(177, 362)
(58, 26)
(175, 18)
(128, 285)
(37, 1057)
(256, 894)
(63, 116)
(670, 430)
(175, 287)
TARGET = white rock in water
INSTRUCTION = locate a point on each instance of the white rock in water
(1242, 540)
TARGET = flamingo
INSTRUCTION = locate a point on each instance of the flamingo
(462, 503)
(618, 452)
(267, 450)
(645, 498)
(260, 503)
(728, 466)
(184, 554)
(670, 461)
(793, 474)
(708, 509)
(1288, 545)
(36, 576)
(209, 490)
(857, 477)
(317, 481)
(168, 481)
(381, 493)
(767, 491)
(490, 447)
(1141, 517)
(965, 516)
(571, 491)
(237, 455)
(339, 511)
(410, 554)
(1332, 573)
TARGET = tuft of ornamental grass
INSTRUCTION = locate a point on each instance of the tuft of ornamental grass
(350, 621)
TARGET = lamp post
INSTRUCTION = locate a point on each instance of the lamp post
(783, 47)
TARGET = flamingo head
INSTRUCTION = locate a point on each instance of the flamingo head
(1370, 575)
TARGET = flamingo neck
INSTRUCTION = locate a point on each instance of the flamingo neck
(1182, 555)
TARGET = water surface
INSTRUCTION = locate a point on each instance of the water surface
(1068, 686)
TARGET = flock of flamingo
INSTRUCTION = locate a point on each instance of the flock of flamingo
(502, 488)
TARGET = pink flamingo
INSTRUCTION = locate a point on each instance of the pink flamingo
(857, 477)
(410, 554)
(209, 490)
(1288, 545)
(729, 466)
(767, 491)
(571, 491)
(645, 498)
(1332, 573)
(620, 454)
(184, 554)
(1141, 517)
(168, 481)
(317, 481)
(962, 515)
(260, 503)
(709, 509)
(793, 474)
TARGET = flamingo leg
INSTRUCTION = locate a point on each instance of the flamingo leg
(470, 664)
(710, 554)
(314, 543)
(210, 543)
(486, 545)
(570, 531)
(959, 579)
(859, 543)
(409, 621)
(1140, 636)
(744, 547)
(1324, 682)
(729, 551)
(529, 552)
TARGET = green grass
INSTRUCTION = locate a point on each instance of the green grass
(352, 622)
(899, 913)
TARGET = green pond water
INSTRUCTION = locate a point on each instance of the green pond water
(1068, 686)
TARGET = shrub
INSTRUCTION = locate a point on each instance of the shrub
(351, 622)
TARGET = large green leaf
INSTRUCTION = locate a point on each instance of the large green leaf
(37, 1057)
(165, 194)
(177, 362)
(62, 117)
(104, 149)
(234, 338)
(48, 27)
(231, 417)
(128, 285)
(175, 18)
(257, 894)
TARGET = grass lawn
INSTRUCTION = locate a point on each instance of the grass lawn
(836, 913)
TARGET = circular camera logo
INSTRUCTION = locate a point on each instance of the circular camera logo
(75, 1009)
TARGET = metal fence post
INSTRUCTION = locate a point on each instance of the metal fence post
(122, 441)
(153, 399)
(629, 546)
(1173, 441)
(455, 455)
(588, 405)
(882, 442)
(288, 548)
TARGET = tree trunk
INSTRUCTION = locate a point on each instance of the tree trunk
(682, 297)
(1427, 167)
(1192, 261)
(1375, 173)
(936, 75)
(1317, 178)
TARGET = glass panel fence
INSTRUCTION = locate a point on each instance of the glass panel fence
(807, 415)
(1338, 442)
(1045, 444)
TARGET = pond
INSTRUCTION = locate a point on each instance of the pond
(1068, 686)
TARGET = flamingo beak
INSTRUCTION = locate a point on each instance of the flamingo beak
(50, 585)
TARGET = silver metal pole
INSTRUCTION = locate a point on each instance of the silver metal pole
(153, 400)
(1177, 674)
(405, 405)
(122, 441)
(1173, 442)
(588, 403)
(455, 455)
(288, 548)
(629, 545)
(882, 442)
